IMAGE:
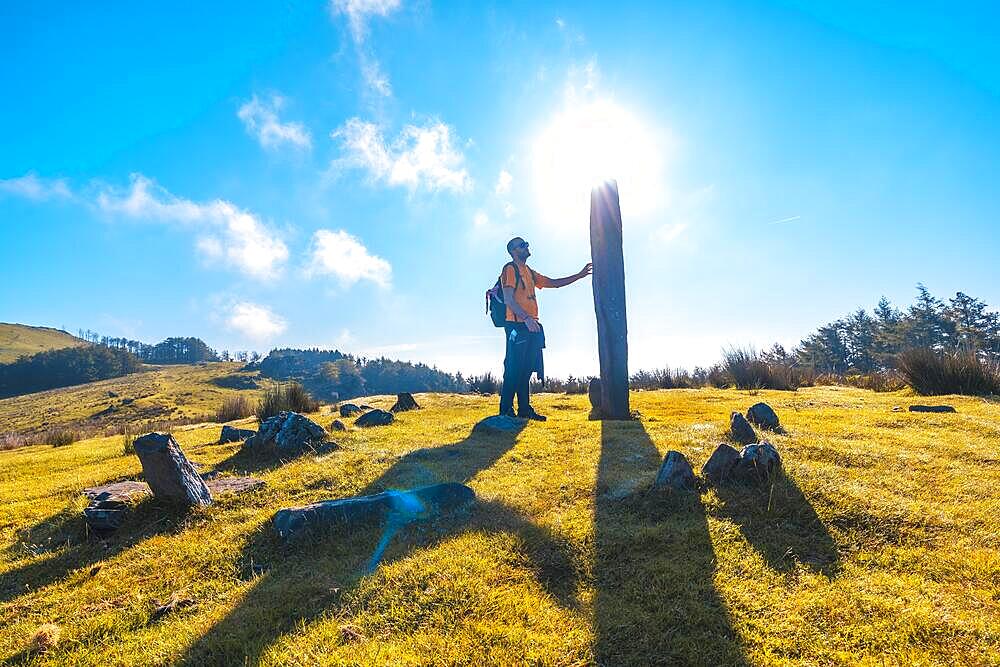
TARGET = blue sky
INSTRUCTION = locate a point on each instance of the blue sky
(345, 174)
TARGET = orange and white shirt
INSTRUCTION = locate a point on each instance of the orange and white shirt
(524, 289)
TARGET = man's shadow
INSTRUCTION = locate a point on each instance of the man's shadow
(315, 573)
(656, 601)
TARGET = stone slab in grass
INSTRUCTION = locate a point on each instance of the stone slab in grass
(399, 506)
(500, 424)
(121, 491)
(375, 417)
(932, 408)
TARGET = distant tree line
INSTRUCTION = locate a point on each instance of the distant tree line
(331, 374)
(174, 350)
(866, 342)
(64, 367)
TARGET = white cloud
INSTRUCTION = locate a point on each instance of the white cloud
(504, 181)
(228, 232)
(256, 322)
(30, 186)
(420, 157)
(261, 120)
(508, 209)
(480, 219)
(669, 232)
(374, 77)
(359, 13)
(344, 256)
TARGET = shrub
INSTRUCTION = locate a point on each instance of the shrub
(484, 384)
(235, 407)
(933, 373)
(12, 441)
(128, 442)
(59, 437)
(279, 398)
(745, 368)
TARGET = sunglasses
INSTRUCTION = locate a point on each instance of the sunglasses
(522, 244)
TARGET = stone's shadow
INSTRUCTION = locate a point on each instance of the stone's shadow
(299, 581)
(68, 527)
(655, 600)
(251, 461)
(781, 524)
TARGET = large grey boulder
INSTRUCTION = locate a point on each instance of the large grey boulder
(287, 432)
(720, 464)
(675, 473)
(349, 410)
(170, 475)
(740, 429)
(763, 416)
(398, 506)
(499, 424)
(404, 402)
(375, 418)
(233, 434)
(758, 463)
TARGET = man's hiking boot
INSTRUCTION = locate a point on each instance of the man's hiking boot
(531, 414)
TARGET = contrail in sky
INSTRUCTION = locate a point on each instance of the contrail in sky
(783, 220)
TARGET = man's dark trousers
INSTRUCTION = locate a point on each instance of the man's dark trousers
(523, 349)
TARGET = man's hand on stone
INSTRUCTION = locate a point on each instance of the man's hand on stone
(532, 324)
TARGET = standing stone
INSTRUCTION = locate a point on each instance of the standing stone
(349, 409)
(740, 429)
(609, 299)
(168, 472)
(594, 394)
(675, 473)
(720, 464)
(763, 416)
(758, 462)
(375, 418)
(337, 425)
(287, 432)
(404, 402)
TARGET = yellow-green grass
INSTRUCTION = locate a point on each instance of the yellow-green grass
(878, 546)
(157, 393)
(20, 339)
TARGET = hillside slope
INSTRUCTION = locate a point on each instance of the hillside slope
(878, 546)
(20, 339)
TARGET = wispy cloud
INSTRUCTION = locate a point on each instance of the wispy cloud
(337, 253)
(786, 220)
(419, 158)
(504, 182)
(261, 121)
(256, 322)
(228, 233)
(359, 13)
(669, 232)
(31, 186)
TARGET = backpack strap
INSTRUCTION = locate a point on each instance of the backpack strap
(517, 274)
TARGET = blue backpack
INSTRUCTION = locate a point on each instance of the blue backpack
(494, 297)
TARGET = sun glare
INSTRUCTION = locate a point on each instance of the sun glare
(587, 144)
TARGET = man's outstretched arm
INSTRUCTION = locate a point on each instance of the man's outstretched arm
(568, 280)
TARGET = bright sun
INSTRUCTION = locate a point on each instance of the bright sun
(586, 144)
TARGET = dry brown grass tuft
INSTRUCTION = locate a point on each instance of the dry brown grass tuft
(46, 638)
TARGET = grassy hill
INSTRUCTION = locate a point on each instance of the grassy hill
(878, 546)
(20, 339)
(159, 393)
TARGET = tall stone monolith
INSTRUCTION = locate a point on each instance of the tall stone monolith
(609, 299)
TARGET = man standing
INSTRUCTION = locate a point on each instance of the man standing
(525, 337)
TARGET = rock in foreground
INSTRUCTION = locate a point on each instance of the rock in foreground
(720, 465)
(763, 416)
(170, 475)
(400, 506)
(375, 418)
(740, 429)
(233, 434)
(675, 473)
(499, 424)
(758, 463)
(287, 432)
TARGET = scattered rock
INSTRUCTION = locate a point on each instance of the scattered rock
(337, 425)
(400, 506)
(675, 473)
(762, 416)
(168, 472)
(897, 408)
(349, 409)
(932, 408)
(375, 418)
(594, 394)
(740, 429)
(758, 462)
(404, 402)
(233, 434)
(720, 464)
(500, 424)
(287, 432)
(366, 407)
(112, 394)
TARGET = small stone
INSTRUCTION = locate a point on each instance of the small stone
(233, 434)
(675, 473)
(594, 394)
(758, 462)
(500, 424)
(337, 425)
(762, 416)
(740, 429)
(932, 408)
(366, 407)
(720, 464)
(404, 402)
(375, 418)
(170, 475)
(287, 432)
(349, 410)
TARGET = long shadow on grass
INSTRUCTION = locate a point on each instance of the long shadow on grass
(656, 601)
(65, 534)
(781, 524)
(318, 572)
